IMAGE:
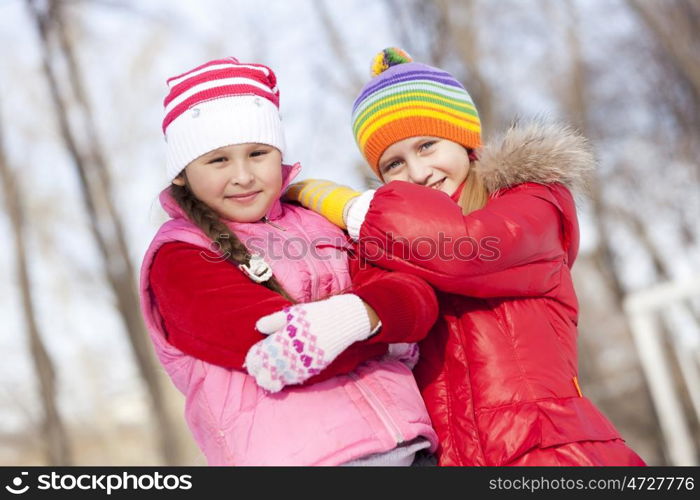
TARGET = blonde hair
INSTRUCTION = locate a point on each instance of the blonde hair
(211, 225)
(474, 195)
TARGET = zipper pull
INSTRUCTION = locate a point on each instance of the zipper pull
(268, 221)
(257, 269)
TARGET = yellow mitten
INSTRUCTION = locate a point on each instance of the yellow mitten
(324, 197)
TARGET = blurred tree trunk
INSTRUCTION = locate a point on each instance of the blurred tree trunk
(577, 112)
(676, 27)
(423, 29)
(638, 414)
(463, 21)
(55, 440)
(105, 224)
(352, 80)
(444, 31)
(350, 83)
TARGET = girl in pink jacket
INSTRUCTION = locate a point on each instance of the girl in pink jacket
(333, 384)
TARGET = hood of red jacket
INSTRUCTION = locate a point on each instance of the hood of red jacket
(539, 152)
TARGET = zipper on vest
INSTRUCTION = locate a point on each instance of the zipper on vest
(268, 221)
(379, 409)
(311, 263)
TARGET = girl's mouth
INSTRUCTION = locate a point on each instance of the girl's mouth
(244, 198)
(437, 185)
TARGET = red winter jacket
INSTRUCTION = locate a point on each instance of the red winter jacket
(498, 372)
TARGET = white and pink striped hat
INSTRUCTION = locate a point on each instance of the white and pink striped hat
(217, 104)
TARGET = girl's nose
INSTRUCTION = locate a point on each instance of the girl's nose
(419, 172)
(241, 175)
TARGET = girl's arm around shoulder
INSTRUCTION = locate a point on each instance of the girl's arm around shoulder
(210, 309)
(209, 306)
(405, 304)
(515, 245)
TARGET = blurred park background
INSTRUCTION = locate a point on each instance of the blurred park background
(82, 162)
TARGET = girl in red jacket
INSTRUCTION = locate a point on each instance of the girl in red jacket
(233, 263)
(494, 230)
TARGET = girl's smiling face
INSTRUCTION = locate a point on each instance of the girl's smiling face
(239, 182)
(429, 161)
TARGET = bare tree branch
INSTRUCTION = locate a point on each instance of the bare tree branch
(56, 443)
(462, 24)
(675, 37)
(104, 221)
(338, 47)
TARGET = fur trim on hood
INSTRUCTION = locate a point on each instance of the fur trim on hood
(536, 152)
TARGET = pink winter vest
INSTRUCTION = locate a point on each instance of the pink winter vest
(235, 422)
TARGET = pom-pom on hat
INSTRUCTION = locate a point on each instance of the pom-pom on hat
(220, 103)
(408, 99)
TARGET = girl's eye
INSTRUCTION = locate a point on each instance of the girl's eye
(260, 152)
(426, 145)
(218, 159)
(390, 166)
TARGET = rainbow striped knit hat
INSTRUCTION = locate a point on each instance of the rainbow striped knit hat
(407, 99)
